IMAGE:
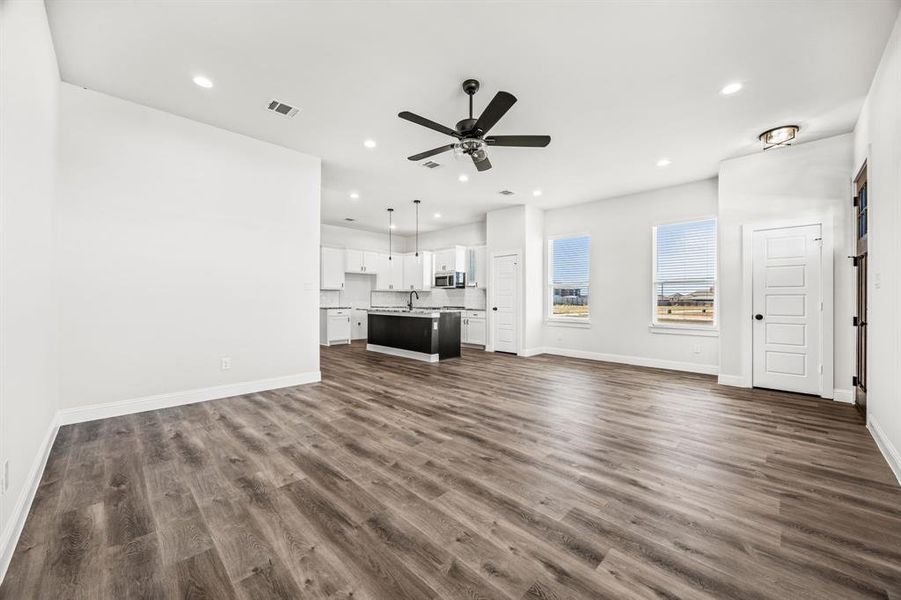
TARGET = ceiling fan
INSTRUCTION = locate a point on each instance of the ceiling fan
(470, 133)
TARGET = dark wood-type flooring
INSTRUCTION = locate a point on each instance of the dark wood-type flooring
(488, 477)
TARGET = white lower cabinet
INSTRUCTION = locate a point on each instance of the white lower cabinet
(334, 326)
(473, 327)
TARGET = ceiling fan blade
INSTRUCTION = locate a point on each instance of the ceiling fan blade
(523, 141)
(431, 152)
(482, 165)
(496, 109)
(413, 118)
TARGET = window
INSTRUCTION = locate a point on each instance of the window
(685, 273)
(568, 278)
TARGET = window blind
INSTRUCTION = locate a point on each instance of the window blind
(685, 277)
(569, 274)
(570, 256)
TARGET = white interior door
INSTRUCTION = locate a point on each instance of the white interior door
(505, 309)
(787, 305)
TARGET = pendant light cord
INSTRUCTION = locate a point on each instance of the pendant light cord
(390, 223)
(416, 202)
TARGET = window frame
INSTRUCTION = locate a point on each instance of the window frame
(687, 327)
(549, 316)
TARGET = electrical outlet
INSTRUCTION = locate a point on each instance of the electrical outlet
(226, 363)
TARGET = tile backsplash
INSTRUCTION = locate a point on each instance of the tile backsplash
(468, 297)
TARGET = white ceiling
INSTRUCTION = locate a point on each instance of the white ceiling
(618, 85)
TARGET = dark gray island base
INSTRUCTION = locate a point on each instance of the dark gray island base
(429, 336)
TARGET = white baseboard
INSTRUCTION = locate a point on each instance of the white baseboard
(843, 395)
(20, 511)
(80, 414)
(531, 352)
(891, 454)
(733, 381)
(638, 361)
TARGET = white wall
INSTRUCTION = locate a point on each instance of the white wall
(471, 234)
(806, 180)
(621, 264)
(877, 139)
(29, 108)
(347, 237)
(180, 244)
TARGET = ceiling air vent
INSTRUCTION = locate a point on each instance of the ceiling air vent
(431, 164)
(505, 193)
(282, 108)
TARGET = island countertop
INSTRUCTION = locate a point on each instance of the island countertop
(403, 312)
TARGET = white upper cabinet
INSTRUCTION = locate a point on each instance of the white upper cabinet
(359, 261)
(391, 275)
(417, 271)
(372, 261)
(353, 261)
(451, 259)
(331, 269)
(477, 267)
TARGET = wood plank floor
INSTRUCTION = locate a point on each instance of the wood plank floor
(488, 477)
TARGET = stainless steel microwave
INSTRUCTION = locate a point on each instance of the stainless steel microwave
(452, 279)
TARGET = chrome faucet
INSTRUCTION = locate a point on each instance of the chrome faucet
(410, 303)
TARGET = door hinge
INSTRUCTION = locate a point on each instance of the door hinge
(821, 306)
(854, 381)
(855, 321)
(854, 260)
(856, 200)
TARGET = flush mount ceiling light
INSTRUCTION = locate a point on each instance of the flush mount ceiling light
(463, 178)
(202, 81)
(369, 143)
(536, 193)
(778, 136)
(437, 215)
(354, 196)
(664, 162)
(731, 88)
(392, 226)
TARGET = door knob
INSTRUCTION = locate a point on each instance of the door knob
(494, 308)
(759, 317)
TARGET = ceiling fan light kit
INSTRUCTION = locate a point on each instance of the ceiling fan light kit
(470, 133)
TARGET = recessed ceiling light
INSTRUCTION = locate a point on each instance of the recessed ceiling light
(664, 162)
(354, 196)
(369, 143)
(437, 215)
(202, 81)
(463, 178)
(393, 226)
(731, 88)
(536, 193)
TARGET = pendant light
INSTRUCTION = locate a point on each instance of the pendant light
(416, 203)
(390, 227)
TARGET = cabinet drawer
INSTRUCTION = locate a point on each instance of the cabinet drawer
(339, 313)
(474, 314)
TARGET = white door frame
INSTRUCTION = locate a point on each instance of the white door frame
(827, 295)
(489, 322)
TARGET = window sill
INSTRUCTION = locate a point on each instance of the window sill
(684, 330)
(558, 322)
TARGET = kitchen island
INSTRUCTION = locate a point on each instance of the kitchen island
(421, 334)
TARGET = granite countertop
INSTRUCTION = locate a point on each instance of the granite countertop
(334, 308)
